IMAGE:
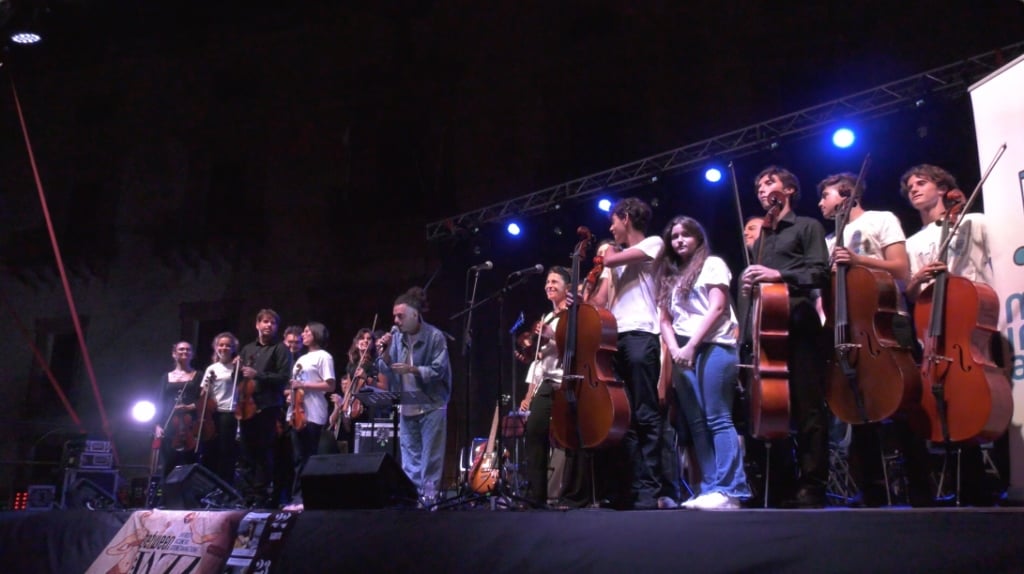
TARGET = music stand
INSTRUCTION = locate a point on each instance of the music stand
(376, 398)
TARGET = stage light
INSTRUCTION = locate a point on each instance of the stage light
(143, 411)
(604, 205)
(843, 138)
(713, 175)
(513, 229)
(26, 38)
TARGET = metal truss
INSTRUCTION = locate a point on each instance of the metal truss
(947, 80)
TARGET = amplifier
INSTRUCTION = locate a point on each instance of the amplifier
(95, 461)
(97, 446)
(374, 437)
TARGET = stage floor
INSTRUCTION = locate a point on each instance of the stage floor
(493, 541)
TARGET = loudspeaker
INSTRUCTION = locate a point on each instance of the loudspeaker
(365, 480)
(193, 486)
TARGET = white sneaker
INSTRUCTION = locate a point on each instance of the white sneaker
(716, 501)
(693, 503)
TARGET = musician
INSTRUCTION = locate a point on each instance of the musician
(875, 239)
(752, 230)
(181, 382)
(268, 363)
(794, 252)
(362, 358)
(314, 375)
(968, 256)
(221, 454)
(284, 474)
(414, 357)
(637, 362)
(698, 325)
(544, 377)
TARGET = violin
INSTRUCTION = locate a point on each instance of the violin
(298, 414)
(351, 409)
(590, 283)
(870, 376)
(204, 429)
(245, 401)
(969, 398)
(768, 381)
(590, 409)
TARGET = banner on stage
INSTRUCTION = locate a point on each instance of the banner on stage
(998, 117)
(166, 541)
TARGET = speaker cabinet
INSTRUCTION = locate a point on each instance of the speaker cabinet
(193, 486)
(86, 494)
(364, 480)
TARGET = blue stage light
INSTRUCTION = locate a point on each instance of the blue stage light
(604, 205)
(843, 138)
(513, 228)
(713, 175)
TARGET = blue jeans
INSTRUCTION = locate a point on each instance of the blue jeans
(705, 396)
(422, 439)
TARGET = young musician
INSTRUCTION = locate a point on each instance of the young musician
(179, 390)
(362, 367)
(752, 230)
(637, 361)
(313, 374)
(222, 453)
(544, 377)
(968, 255)
(875, 239)
(698, 326)
(268, 363)
(414, 357)
(794, 252)
(284, 474)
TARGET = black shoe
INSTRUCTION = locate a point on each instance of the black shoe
(806, 498)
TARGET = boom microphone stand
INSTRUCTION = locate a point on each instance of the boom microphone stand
(500, 494)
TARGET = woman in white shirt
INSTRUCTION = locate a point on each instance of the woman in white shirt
(698, 325)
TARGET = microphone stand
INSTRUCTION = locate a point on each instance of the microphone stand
(500, 493)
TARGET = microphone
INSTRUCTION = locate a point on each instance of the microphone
(536, 269)
(485, 266)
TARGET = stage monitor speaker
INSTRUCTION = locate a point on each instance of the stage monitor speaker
(86, 494)
(193, 486)
(365, 480)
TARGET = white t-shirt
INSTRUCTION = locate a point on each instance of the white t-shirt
(968, 255)
(549, 365)
(687, 314)
(634, 305)
(870, 234)
(223, 385)
(315, 366)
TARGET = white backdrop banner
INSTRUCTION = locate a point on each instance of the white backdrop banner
(998, 118)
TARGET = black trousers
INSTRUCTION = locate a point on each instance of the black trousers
(537, 436)
(807, 395)
(305, 444)
(257, 437)
(221, 453)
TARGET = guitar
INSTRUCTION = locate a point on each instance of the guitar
(483, 477)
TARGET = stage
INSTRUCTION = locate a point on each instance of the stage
(498, 541)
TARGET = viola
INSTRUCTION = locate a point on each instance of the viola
(768, 380)
(179, 427)
(590, 409)
(245, 401)
(968, 397)
(204, 429)
(298, 414)
(870, 376)
(590, 284)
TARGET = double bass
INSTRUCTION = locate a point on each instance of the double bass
(870, 377)
(590, 409)
(768, 380)
(966, 397)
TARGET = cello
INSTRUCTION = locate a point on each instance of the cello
(870, 377)
(969, 398)
(590, 409)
